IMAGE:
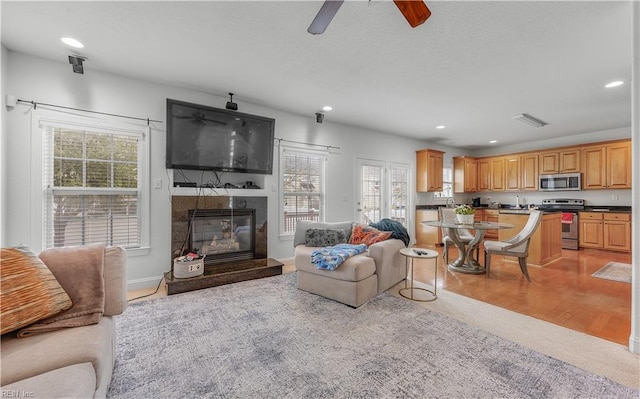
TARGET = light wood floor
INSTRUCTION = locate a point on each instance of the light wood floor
(563, 293)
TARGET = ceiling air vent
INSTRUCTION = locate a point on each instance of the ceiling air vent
(530, 120)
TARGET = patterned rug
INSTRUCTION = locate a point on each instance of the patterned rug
(615, 271)
(266, 339)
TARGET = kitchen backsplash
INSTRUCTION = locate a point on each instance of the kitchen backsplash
(591, 197)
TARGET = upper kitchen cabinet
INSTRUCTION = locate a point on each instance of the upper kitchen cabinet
(497, 174)
(429, 168)
(484, 174)
(512, 172)
(607, 166)
(465, 175)
(560, 161)
(529, 171)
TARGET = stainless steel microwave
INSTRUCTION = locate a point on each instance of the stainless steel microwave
(560, 182)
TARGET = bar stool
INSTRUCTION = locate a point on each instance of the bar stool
(419, 253)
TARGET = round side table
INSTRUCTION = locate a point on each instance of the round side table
(419, 253)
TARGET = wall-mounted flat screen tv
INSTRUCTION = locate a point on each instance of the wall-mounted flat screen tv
(206, 138)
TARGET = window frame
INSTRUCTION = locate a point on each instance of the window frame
(323, 191)
(44, 118)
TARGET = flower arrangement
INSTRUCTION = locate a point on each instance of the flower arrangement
(465, 210)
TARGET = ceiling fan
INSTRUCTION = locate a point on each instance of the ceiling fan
(414, 11)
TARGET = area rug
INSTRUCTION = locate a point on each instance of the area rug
(615, 271)
(266, 339)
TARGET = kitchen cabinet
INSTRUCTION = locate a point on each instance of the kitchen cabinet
(427, 236)
(529, 171)
(512, 173)
(497, 174)
(604, 230)
(465, 175)
(561, 161)
(490, 215)
(484, 174)
(607, 166)
(429, 168)
(546, 243)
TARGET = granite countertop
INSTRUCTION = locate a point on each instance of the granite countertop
(607, 208)
(504, 208)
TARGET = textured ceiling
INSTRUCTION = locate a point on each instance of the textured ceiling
(471, 66)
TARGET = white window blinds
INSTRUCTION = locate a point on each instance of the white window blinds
(303, 187)
(92, 187)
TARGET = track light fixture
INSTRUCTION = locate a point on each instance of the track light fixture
(319, 117)
(230, 104)
(76, 61)
(530, 120)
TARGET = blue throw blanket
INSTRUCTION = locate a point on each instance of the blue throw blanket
(396, 228)
(328, 258)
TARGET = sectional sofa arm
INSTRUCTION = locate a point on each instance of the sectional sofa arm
(114, 273)
(390, 266)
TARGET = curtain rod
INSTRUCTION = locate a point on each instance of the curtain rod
(35, 105)
(300, 142)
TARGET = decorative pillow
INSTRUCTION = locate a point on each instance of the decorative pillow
(325, 237)
(28, 290)
(302, 226)
(362, 234)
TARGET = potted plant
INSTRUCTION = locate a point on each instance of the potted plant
(465, 214)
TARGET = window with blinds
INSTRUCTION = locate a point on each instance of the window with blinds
(92, 187)
(303, 187)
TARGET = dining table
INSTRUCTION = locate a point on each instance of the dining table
(465, 263)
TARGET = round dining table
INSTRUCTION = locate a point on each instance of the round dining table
(465, 263)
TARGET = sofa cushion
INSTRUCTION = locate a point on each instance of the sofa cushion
(76, 381)
(29, 292)
(367, 235)
(325, 237)
(355, 268)
(302, 226)
(42, 353)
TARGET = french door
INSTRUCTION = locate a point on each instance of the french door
(382, 191)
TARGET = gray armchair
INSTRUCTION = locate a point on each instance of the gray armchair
(517, 245)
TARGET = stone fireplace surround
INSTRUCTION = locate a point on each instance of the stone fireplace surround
(220, 272)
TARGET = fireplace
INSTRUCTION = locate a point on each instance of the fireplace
(223, 234)
(231, 231)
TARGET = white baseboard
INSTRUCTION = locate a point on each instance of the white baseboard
(147, 282)
(634, 344)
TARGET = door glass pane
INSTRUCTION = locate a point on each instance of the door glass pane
(371, 193)
(399, 201)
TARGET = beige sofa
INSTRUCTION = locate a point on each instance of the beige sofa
(73, 362)
(357, 279)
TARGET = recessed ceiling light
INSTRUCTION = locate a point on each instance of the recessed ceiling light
(440, 127)
(327, 108)
(69, 41)
(614, 84)
(493, 141)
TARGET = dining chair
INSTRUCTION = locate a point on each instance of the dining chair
(517, 245)
(448, 215)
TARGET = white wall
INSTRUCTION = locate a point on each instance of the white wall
(3, 139)
(40, 80)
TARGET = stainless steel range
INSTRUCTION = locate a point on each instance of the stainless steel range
(570, 224)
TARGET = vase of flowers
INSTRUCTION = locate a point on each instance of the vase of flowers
(465, 214)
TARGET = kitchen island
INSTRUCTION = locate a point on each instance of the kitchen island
(546, 243)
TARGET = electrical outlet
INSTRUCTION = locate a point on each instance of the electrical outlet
(614, 197)
(157, 183)
(193, 268)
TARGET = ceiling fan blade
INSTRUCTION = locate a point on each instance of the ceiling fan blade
(415, 12)
(324, 16)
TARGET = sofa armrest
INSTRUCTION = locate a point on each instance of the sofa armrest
(390, 266)
(114, 274)
(115, 281)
